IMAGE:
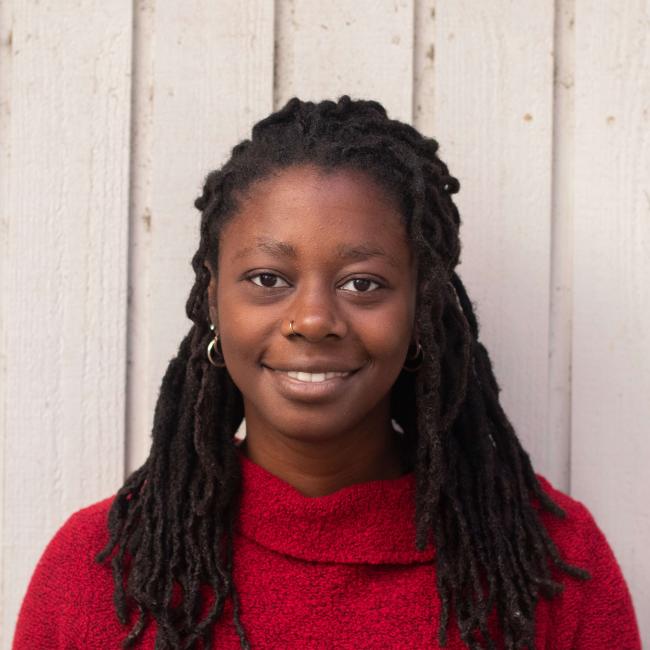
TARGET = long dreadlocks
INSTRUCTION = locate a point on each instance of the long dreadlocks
(475, 483)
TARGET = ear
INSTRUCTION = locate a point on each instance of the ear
(212, 297)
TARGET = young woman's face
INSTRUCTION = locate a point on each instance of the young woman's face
(328, 251)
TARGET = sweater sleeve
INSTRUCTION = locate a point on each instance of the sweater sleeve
(54, 612)
(606, 618)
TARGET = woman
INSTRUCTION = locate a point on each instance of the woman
(380, 498)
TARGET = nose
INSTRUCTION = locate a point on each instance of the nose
(317, 314)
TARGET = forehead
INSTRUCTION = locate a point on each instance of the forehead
(309, 209)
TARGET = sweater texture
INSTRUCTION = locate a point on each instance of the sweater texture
(338, 571)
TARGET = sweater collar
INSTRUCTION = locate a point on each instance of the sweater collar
(366, 523)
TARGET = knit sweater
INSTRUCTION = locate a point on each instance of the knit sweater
(338, 571)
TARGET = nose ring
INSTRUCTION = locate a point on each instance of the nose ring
(291, 327)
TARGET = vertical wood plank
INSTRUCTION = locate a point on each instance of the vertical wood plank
(424, 56)
(6, 27)
(66, 284)
(559, 416)
(493, 119)
(611, 338)
(212, 79)
(363, 48)
(139, 407)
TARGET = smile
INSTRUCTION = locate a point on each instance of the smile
(297, 385)
(312, 376)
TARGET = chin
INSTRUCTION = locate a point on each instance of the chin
(306, 429)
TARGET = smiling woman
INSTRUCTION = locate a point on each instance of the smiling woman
(381, 498)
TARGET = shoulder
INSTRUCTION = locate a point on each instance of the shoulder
(573, 531)
(576, 534)
(598, 611)
(78, 540)
(66, 581)
(89, 521)
(83, 533)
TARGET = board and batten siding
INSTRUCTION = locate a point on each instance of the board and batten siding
(111, 115)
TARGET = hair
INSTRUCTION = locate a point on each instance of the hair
(477, 495)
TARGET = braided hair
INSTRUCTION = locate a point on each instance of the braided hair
(475, 486)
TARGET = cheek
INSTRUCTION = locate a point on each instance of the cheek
(238, 330)
(386, 335)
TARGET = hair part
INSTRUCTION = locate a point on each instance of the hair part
(475, 483)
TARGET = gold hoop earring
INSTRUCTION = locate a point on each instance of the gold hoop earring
(418, 351)
(212, 346)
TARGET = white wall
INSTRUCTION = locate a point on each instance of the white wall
(112, 113)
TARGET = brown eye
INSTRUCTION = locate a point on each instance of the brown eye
(267, 280)
(361, 285)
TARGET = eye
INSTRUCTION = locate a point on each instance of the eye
(361, 285)
(270, 281)
(267, 280)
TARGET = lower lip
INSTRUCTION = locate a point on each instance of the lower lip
(311, 391)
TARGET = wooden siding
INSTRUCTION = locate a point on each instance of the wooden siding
(111, 114)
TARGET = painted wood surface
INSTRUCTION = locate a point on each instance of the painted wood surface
(111, 115)
(610, 449)
(66, 270)
(5, 167)
(558, 442)
(493, 115)
(363, 48)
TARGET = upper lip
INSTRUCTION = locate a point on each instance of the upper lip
(313, 368)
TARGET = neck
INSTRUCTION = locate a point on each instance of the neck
(323, 467)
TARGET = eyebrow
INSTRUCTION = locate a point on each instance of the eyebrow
(344, 251)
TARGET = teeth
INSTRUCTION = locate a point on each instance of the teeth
(315, 376)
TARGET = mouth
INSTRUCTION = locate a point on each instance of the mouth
(313, 377)
(298, 385)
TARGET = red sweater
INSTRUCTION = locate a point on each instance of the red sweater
(339, 571)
